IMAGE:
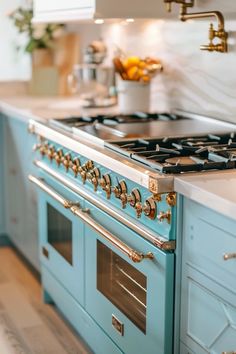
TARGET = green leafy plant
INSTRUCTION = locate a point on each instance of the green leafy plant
(39, 35)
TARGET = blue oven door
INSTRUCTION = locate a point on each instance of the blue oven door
(62, 238)
(132, 300)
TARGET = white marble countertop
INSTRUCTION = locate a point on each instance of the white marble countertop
(40, 108)
(216, 190)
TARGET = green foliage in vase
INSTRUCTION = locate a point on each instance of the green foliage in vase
(39, 35)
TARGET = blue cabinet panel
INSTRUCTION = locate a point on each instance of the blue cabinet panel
(185, 350)
(62, 236)
(208, 305)
(78, 317)
(21, 201)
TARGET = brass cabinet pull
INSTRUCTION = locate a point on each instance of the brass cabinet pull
(83, 214)
(226, 257)
(233, 352)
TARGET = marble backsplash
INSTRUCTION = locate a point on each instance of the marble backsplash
(192, 80)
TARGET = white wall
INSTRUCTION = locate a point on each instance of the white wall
(13, 65)
(193, 80)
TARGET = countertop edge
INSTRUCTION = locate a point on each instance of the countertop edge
(18, 113)
(205, 197)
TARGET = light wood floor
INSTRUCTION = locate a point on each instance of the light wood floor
(27, 326)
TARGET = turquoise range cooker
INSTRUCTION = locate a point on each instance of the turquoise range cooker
(107, 240)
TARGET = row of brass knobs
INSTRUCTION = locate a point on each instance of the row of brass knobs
(88, 172)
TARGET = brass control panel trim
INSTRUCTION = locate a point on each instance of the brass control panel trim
(117, 324)
(45, 252)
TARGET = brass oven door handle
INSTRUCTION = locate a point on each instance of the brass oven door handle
(83, 214)
(228, 256)
(41, 184)
(135, 256)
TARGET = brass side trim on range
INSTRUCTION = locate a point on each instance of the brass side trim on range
(153, 185)
(171, 199)
(134, 255)
(156, 239)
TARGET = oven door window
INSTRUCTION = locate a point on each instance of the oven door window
(60, 233)
(122, 284)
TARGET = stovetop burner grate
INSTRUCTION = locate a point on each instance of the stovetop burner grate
(182, 154)
(138, 117)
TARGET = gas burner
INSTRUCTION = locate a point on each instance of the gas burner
(182, 154)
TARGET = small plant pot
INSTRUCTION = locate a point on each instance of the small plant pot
(133, 96)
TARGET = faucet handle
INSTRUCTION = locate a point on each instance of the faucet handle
(214, 47)
(207, 47)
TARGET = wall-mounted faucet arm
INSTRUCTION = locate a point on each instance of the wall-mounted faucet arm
(220, 33)
(184, 16)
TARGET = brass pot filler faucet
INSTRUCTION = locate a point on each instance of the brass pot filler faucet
(219, 33)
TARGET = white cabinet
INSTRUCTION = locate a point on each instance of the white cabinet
(63, 10)
(75, 10)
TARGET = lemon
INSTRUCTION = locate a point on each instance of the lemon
(133, 73)
(131, 61)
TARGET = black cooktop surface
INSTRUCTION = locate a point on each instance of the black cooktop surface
(138, 117)
(181, 154)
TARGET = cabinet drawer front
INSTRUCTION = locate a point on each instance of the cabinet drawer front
(208, 322)
(61, 5)
(209, 236)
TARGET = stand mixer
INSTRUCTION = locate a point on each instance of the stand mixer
(92, 81)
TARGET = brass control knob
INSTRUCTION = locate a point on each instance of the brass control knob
(67, 161)
(164, 216)
(139, 209)
(120, 192)
(123, 198)
(43, 149)
(134, 197)
(105, 183)
(83, 176)
(83, 173)
(116, 190)
(119, 189)
(102, 182)
(75, 164)
(88, 165)
(51, 152)
(150, 208)
(58, 156)
(93, 176)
